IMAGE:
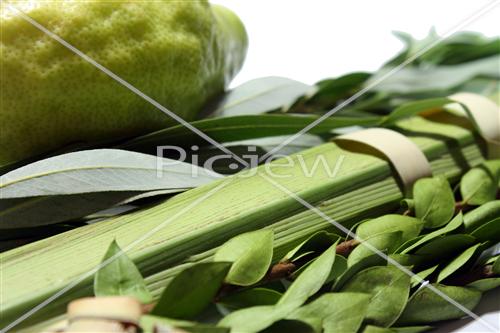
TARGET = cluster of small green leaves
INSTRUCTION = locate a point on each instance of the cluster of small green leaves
(332, 284)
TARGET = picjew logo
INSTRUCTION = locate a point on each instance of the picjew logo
(276, 166)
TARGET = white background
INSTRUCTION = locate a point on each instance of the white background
(314, 39)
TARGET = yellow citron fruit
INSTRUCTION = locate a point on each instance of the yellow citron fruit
(179, 53)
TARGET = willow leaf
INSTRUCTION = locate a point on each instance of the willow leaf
(236, 128)
(261, 95)
(101, 170)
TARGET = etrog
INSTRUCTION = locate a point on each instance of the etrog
(180, 53)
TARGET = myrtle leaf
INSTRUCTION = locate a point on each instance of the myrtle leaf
(389, 288)
(386, 242)
(191, 290)
(444, 247)
(120, 277)
(334, 312)
(251, 254)
(410, 227)
(434, 201)
(257, 318)
(478, 186)
(425, 306)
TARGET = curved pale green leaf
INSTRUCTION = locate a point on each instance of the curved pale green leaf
(101, 170)
(386, 243)
(412, 329)
(339, 267)
(453, 225)
(119, 276)
(155, 324)
(334, 312)
(458, 262)
(434, 201)
(261, 95)
(478, 186)
(389, 288)
(191, 290)
(425, 306)
(251, 254)
(410, 227)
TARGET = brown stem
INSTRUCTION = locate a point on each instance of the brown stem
(345, 248)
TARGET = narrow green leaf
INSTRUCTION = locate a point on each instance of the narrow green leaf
(458, 262)
(251, 254)
(389, 288)
(410, 227)
(425, 306)
(339, 267)
(386, 242)
(192, 290)
(236, 128)
(311, 280)
(434, 201)
(414, 108)
(496, 266)
(453, 225)
(120, 277)
(478, 186)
